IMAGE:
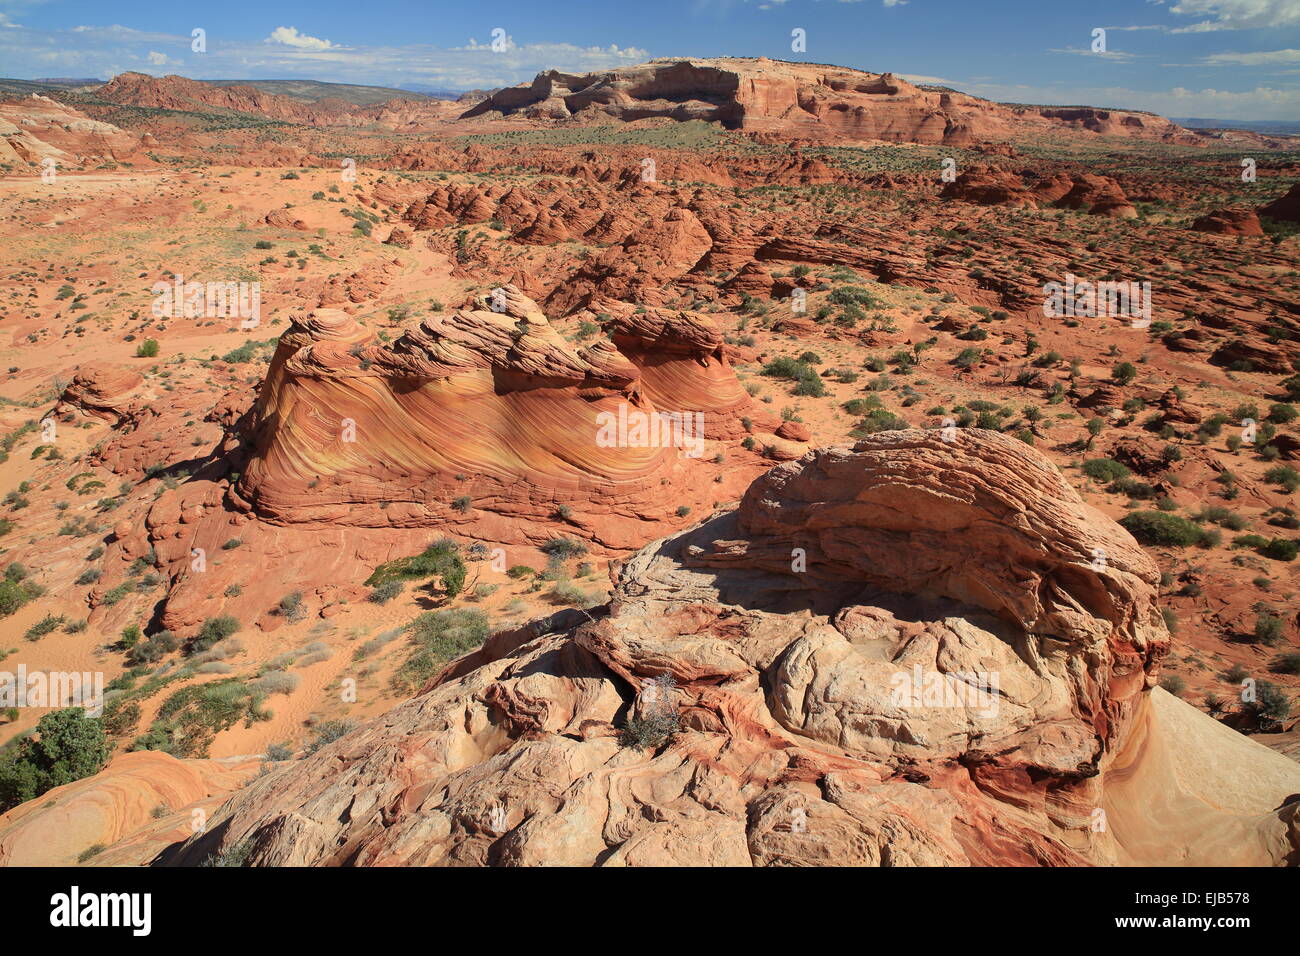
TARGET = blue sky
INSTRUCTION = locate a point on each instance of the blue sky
(1236, 59)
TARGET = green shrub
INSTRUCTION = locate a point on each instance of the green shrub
(147, 349)
(153, 648)
(214, 629)
(1159, 528)
(1282, 414)
(1288, 663)
(862, 406)
(46, 625)
(563, 548)
(386, 592)
(1270, 704)
(809, 382)
(440, 637)
(878, 420)
(67, 746)
(1134, 488)
(810, 387)
(14, 594)
(291, 608)
(1269, 629)
(233, 856)
(1282, 475)
(130, 637)
(1105, 469)
(650, 732)
(190, 719)
(568, 593)
(441, 560)
(1174, 684)
(328, 732)
(1280, 549)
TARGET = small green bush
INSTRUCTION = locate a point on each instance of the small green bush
(1160, 528)
(386, 592)
(1105, 469)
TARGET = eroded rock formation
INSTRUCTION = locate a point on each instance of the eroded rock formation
(36, 128)
(483, 423)
(796, 641)
(804, 100)
(345, 424)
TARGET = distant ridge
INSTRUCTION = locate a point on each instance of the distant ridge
(313, 91)
(1276, 127)
(303, 91)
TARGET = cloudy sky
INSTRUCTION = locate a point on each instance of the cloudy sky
(1235, 59)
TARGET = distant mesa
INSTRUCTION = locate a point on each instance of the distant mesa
(772, 100)
(806, 100)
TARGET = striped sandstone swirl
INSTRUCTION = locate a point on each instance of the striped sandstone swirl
(482, 424)
(493, 404)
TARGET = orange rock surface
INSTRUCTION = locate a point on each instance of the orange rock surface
(783, 626)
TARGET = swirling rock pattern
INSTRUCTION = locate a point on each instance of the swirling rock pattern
(350, 431)
(119, 805)
(918, 554)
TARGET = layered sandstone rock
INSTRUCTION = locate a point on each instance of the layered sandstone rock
(345, 423)
(141, 802)
(1098, 195)
(482, 423)
(988, 186)
(804, 634)
(802, 100)
(101, 391)
(991, 186)
(36, 128)
(1285, 207)
(1230, 222)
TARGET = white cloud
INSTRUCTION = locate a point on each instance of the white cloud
(1237, 14)
(105, 51)
(1105, 55)
(894, 3)
(289, 36)
(157, 59)
(1261, 58)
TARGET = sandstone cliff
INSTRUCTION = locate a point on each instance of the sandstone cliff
(804, 100)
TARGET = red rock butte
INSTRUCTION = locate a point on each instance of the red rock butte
(805, 100)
